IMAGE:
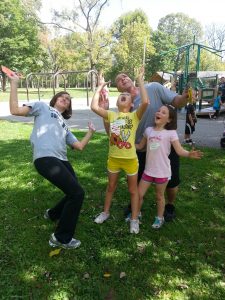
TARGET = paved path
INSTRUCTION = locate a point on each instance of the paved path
(208, 132)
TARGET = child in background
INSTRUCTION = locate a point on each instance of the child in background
(122, 151)
(216, 105)
(157, 168)
(191, 120)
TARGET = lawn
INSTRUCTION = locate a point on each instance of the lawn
(183, 260)
(48, 93)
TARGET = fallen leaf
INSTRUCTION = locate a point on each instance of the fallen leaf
(107, 275)
(193, 187)
(86, 276)
(55, 252)
(122, 275)
(141, 247)
(183, 286)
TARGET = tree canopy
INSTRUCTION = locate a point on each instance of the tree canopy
(181, 28)
(27, 46)
(131, 34)
(19, 42)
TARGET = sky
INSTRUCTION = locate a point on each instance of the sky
(206, 12)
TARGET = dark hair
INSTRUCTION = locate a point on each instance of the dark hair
(172, 125)
(68, 112)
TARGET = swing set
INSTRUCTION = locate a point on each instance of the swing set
(41, 80)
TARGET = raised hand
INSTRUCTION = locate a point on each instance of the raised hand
(103, 102)
(91, 127)
(13, 76)
(141, 72)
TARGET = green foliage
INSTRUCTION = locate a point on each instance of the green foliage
(48, 93)
(183, 260)
(158, 62)
(136, 16)
(210, 61)
(181, 28)
(94, 41)
(131, 31)
(19, 43)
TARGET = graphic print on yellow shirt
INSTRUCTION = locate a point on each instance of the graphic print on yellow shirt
(123, 128)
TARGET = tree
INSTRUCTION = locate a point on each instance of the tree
(215, 35)
(136, 16)
(19, 43)
(210, 62)
(181, 28)
(159, 61)
(84, 18)
(131, 32)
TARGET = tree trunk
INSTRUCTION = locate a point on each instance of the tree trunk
(4, 83)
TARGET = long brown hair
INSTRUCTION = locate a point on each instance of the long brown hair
(68, 112)
(172, 125)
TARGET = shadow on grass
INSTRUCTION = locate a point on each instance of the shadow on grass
(183, 260)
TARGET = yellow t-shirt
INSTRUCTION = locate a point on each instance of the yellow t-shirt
(122, 131)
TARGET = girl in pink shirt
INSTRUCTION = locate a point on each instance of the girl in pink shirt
(158, 140)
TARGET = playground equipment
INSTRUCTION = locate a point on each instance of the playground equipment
(205, 85)
(186, 72)
(51, 80)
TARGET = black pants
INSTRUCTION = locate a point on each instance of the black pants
(67, 210)
(217, 113)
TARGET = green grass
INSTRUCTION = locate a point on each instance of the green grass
(48, 93)
(183, 260)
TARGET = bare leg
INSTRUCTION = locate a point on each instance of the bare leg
(112, 183)
(133, 190)
(160, 198)
(142, 189)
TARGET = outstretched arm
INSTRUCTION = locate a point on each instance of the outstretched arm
(13, 100)
(104, 103)
(196, 154)
(80, 145)
(181, 100)
(95, 102)
(144, 96)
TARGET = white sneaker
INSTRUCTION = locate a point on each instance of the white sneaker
(134, 226)
(102, 217)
